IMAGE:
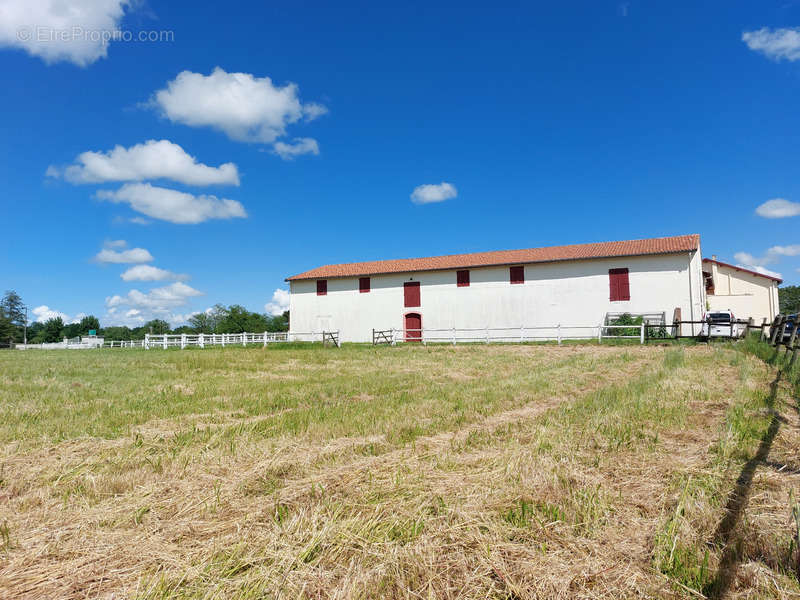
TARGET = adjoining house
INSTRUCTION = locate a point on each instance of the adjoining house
(576, 285)
(744, 292)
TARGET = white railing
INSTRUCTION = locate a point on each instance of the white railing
(556, 333)
(201, 340)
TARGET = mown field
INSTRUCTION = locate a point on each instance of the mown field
(514, 472)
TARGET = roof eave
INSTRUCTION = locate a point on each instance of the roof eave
(300, 277)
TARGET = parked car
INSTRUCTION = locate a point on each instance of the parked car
(789, 327)
(721, 323)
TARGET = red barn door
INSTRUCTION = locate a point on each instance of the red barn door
(413, 327)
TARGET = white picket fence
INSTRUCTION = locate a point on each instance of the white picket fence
(557, 333)
(201, 340)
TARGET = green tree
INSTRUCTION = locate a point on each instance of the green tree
(789, 299)
(7, 330)
(14, 313)
(156, 327)
(116, 334)
(88, 323)
(51, 332)
(239, 319)
(201, 323)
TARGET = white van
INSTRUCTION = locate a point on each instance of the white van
(721, 323)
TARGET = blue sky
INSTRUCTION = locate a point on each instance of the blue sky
(254, 141)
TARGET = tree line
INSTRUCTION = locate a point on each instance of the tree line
(218, 319)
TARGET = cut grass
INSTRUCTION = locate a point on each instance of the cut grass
(468, 472)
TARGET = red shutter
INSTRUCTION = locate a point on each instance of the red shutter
(411, 293)
(363, 285)
(322, 287)
(517, 274)
(619, 286)
(462, 278)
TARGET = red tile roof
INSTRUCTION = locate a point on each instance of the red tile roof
(667, 245)
(756, 273)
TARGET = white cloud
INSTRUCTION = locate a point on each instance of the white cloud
(297, 147)
(45, 313)
(749, 259)
(772, 255)
(245, 107)
(776, 44)
(150, 273)
(172, 205)
(778, 208)
(762, 270)
(136, 307)
(154, 159)
(76, 31)
(279, 303)
(793, 250)
(113, 253)
(429, 193)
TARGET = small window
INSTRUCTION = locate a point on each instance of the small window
(322, 287)
(462, 277)
(517, 274)
(363, 285)
(619, 288)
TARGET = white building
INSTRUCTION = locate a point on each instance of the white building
(575, 285)
(744, 292)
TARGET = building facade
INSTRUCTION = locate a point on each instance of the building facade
(746, 293)
(539, 287)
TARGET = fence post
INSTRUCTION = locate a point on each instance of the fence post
(147, 341)
(790, 345)
(223, 339)
(600, 333)
(164, 340)
(776, 327)
(487, 334)
(183, 341)
(454, 336)
(244, 338)
(559, 334)
(394, 342)
(201, 341)
(641, 334)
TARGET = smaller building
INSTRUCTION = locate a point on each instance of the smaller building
(744, 292)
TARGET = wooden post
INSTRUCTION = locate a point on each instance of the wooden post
(183, 341)
(201, 341)
(747, 327)
(244, 338)
(790, 345)
(559, 334)
(454, 336)
(641, 334)
(164, 338)
(763, 335)
(487, 334)
(600, 333)
(147, 341)
(777, 327)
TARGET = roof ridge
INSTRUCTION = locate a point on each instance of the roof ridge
(661, 245)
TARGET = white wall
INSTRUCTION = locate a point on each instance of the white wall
(567, 292)
(745, 294)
